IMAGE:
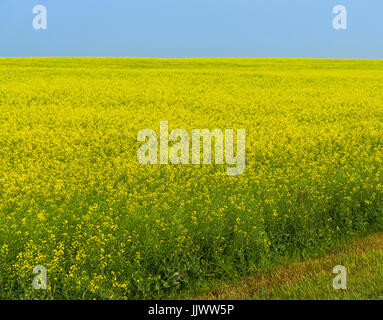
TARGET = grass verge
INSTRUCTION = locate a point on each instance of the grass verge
(313, 278)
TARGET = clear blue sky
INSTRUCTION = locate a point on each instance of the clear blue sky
(192, 28)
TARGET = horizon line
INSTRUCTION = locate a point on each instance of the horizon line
(179, 58)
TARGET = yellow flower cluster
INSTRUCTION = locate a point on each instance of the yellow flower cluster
(74, 198)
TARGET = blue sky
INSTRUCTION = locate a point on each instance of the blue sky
(192, 28)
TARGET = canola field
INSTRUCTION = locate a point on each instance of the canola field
(74, 198)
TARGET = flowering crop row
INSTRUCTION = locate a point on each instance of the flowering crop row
(74, 198)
